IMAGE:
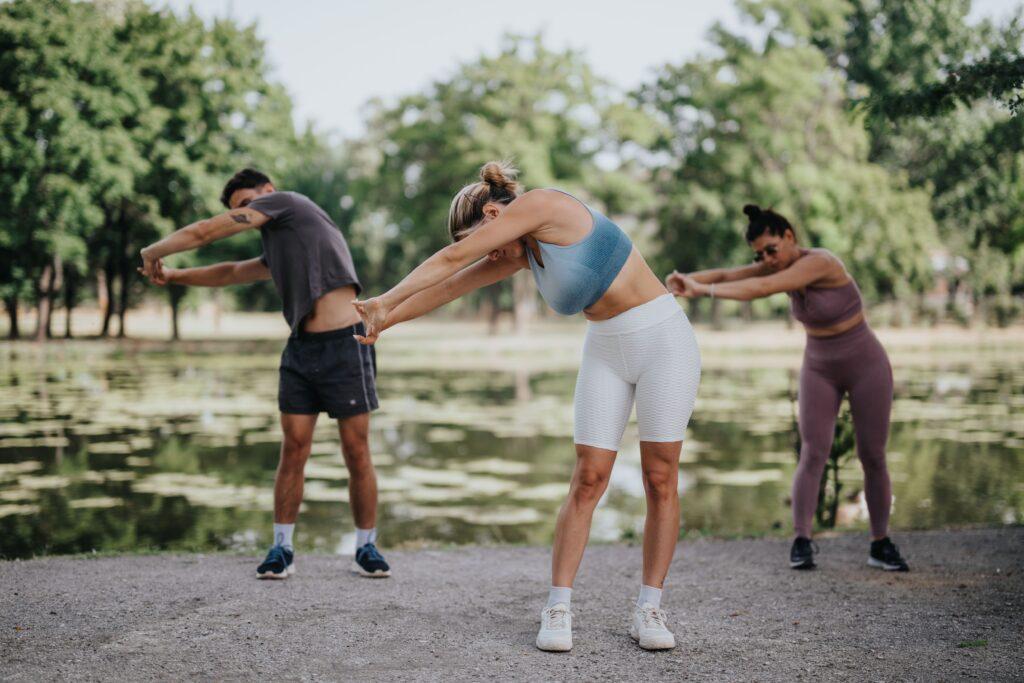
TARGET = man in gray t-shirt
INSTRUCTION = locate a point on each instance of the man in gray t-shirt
(323, 367)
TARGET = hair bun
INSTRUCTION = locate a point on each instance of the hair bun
(500, 175)
(752, 210)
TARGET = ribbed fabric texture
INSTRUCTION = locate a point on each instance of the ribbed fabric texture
(648, 353)
(575, 276)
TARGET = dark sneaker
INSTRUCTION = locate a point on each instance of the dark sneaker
(801, 555)
(280, 564)
(369, 562)
(885, 555)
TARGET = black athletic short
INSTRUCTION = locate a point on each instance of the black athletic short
(328, 371)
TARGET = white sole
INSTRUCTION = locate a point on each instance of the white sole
(288, 571)
(650, 646)
(878, 564)
(356, 569)
(554, 646)
(802, 565)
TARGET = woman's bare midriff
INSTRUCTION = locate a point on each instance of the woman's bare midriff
(332, 311)
(635, 284)
(838, 328)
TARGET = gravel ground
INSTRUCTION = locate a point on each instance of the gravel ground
(737, 610)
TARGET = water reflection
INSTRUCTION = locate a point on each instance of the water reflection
(107, 449)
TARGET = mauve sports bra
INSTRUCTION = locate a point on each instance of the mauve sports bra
(824, 307)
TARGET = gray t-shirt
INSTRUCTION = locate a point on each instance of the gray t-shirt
(305, 251)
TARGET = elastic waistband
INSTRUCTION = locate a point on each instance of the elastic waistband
(859, 330)
(302, 335)
(638, 317)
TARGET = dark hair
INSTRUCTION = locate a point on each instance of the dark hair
(765, 220)
(244, 179)
(497, 184)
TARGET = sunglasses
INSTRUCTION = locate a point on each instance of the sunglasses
(770, 250)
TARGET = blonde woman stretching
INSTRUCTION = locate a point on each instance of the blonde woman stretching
(639, 345)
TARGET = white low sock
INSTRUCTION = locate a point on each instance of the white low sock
(283, 535)
(559, 594)
(650, 595)
(364, 536)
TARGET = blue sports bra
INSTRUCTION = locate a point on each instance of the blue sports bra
(575, 276)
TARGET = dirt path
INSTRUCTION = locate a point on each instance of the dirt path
(469, 614)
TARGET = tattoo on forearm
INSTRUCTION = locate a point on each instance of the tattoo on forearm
(240, 218)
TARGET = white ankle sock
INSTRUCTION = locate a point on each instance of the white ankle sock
(364, 536)
(559, 594)
(650, 595)
(283, 535)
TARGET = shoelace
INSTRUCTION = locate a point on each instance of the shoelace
(276, 554)
(655, 618)
(557, 618)
(891, 552)
(370, 552)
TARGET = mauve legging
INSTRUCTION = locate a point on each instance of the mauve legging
(853, 362)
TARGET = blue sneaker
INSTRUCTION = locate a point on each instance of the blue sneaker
(280, 564)
(369, 562)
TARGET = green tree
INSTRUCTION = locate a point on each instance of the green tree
(213, 110)
(545, 109)
(940, 96)
(770, 124)
(71, 104)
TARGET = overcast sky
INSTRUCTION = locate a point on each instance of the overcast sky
(334, 55)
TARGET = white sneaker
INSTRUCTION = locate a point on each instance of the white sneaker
(650, 629)
(555, 633)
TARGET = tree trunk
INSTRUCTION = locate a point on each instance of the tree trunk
(105, 297)
(46, 281)
(11, 304)
(70, 290)
(716, 314)
(747, 311)
(51, 294)
(124, 270)
(125, 287)
(218, 309)
(694, 313)
(175, 293)
(525, 304)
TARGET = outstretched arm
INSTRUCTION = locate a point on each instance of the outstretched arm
(805, 272)
(198, 234)
(675, 283)
(522, 216)
(216, 275)
(482, 273)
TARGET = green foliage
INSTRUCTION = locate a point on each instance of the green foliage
(121, 123)
(544, 109)
(884, 129)
(771, 125)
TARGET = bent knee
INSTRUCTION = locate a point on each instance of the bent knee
(296, 449)
(661, 483)
(589, 485)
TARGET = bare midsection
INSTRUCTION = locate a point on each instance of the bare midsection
(332, 311)
(634, 285)
(832, 330)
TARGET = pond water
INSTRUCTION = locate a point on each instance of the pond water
(110, 448)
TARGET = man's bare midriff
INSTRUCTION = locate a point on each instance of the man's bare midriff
(635, 284)
(332, 311)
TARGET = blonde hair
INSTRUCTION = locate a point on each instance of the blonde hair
(497, 184)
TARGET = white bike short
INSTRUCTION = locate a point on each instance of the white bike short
(648, 353)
